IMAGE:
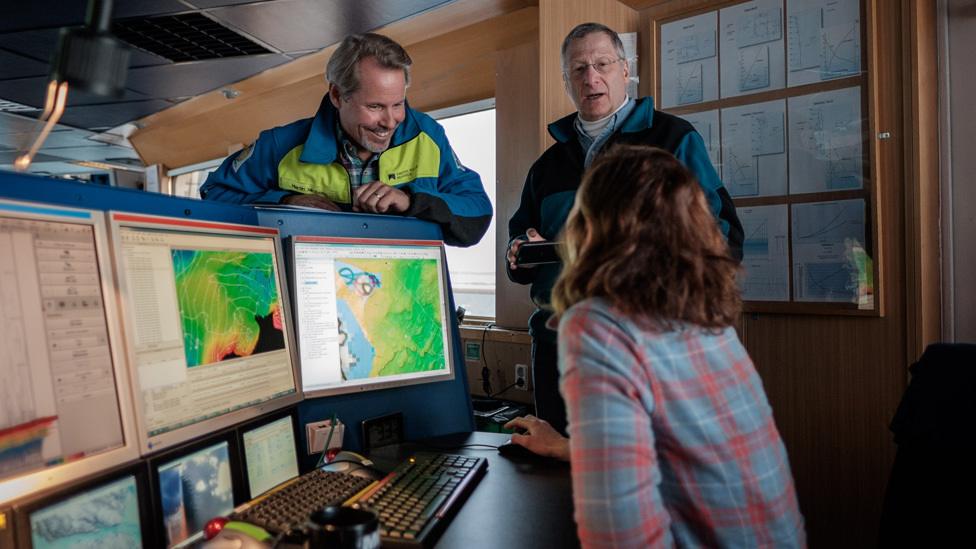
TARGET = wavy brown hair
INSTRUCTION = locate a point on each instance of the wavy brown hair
(642, 237)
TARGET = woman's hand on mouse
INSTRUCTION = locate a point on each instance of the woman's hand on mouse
(539, 437)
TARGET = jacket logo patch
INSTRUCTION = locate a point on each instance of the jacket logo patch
(242, 157)
(409, 173)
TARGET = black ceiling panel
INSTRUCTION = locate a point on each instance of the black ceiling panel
(103, 117)
(31, 91)
(40, 44)
(189, 79)
(39, 14)
(185, 37)
(29, 31)
(297, 25)
(13, 65)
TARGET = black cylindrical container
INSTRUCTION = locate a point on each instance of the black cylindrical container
(344, 528)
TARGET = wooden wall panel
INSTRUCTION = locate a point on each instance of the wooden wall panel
(922, 174)
(833, 382)
(516, 148)
(556, 19)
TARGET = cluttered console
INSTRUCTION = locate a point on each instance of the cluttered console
(155, 378)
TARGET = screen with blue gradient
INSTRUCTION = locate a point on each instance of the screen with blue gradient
(106, 516)
(194, 489)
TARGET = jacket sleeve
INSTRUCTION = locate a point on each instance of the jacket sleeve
(248, 176)
(692, 152)
(458, 202)
(525, 217)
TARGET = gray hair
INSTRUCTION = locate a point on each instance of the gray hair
(584, 29)
(341, 70)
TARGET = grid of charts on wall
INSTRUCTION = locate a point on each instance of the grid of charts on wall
(778, 91)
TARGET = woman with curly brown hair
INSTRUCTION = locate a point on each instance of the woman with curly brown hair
(671, 438)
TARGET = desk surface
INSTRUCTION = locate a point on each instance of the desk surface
(518, 503)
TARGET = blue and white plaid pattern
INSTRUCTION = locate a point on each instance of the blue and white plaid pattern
(672, 440)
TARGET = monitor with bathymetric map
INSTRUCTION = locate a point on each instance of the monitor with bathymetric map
(371, 313)
(206, 324)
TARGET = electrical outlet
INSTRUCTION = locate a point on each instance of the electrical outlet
(522, 377)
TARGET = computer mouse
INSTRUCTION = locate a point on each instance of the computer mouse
(353, 464)
(517, 451)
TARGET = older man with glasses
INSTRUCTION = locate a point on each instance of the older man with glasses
(595, 72)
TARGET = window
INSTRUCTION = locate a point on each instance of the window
(186, 181)
(472, 136)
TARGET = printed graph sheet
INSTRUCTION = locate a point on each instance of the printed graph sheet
(706, 123)
(766, 260)
(689, 63)
(828, 251)
(823, 40)
(754, 149)
(752, 49)
(826, 141)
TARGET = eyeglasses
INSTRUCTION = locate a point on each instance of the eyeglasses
(602, 66)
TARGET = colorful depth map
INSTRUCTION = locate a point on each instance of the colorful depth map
(389, 317)
(229, 304)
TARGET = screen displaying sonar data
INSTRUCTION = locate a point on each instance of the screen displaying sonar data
(206, 319)
(64, 406)
(371, 313)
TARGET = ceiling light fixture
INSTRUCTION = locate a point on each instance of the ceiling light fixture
(89, 59)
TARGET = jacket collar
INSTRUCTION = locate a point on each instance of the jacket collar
(641, 118)
(321, 145)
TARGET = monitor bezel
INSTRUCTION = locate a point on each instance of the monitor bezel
(32, 482)
(23, 510)
(261, 422)
(149, 445)
(451, 372)
(181, 451)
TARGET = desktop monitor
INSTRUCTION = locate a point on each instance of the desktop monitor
(206, 323)
(270, 453)
(371, 313)
(65, 410)
(194, 484)
(109, 511)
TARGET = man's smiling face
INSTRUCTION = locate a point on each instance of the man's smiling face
(372, 113)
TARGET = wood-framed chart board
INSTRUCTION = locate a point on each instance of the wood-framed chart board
(781, 93)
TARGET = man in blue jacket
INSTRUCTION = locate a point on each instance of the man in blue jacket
(595, 72)
(365, 150)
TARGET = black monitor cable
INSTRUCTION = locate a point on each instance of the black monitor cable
(485, 371)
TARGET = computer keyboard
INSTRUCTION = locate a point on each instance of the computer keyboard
(417, 500)
(414, 502)
(289, 506)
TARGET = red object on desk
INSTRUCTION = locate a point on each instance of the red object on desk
(213, 527)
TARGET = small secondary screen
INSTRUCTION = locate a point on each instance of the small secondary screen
(106, 516)
(270, 455)
(371, 313)
(194, 489)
